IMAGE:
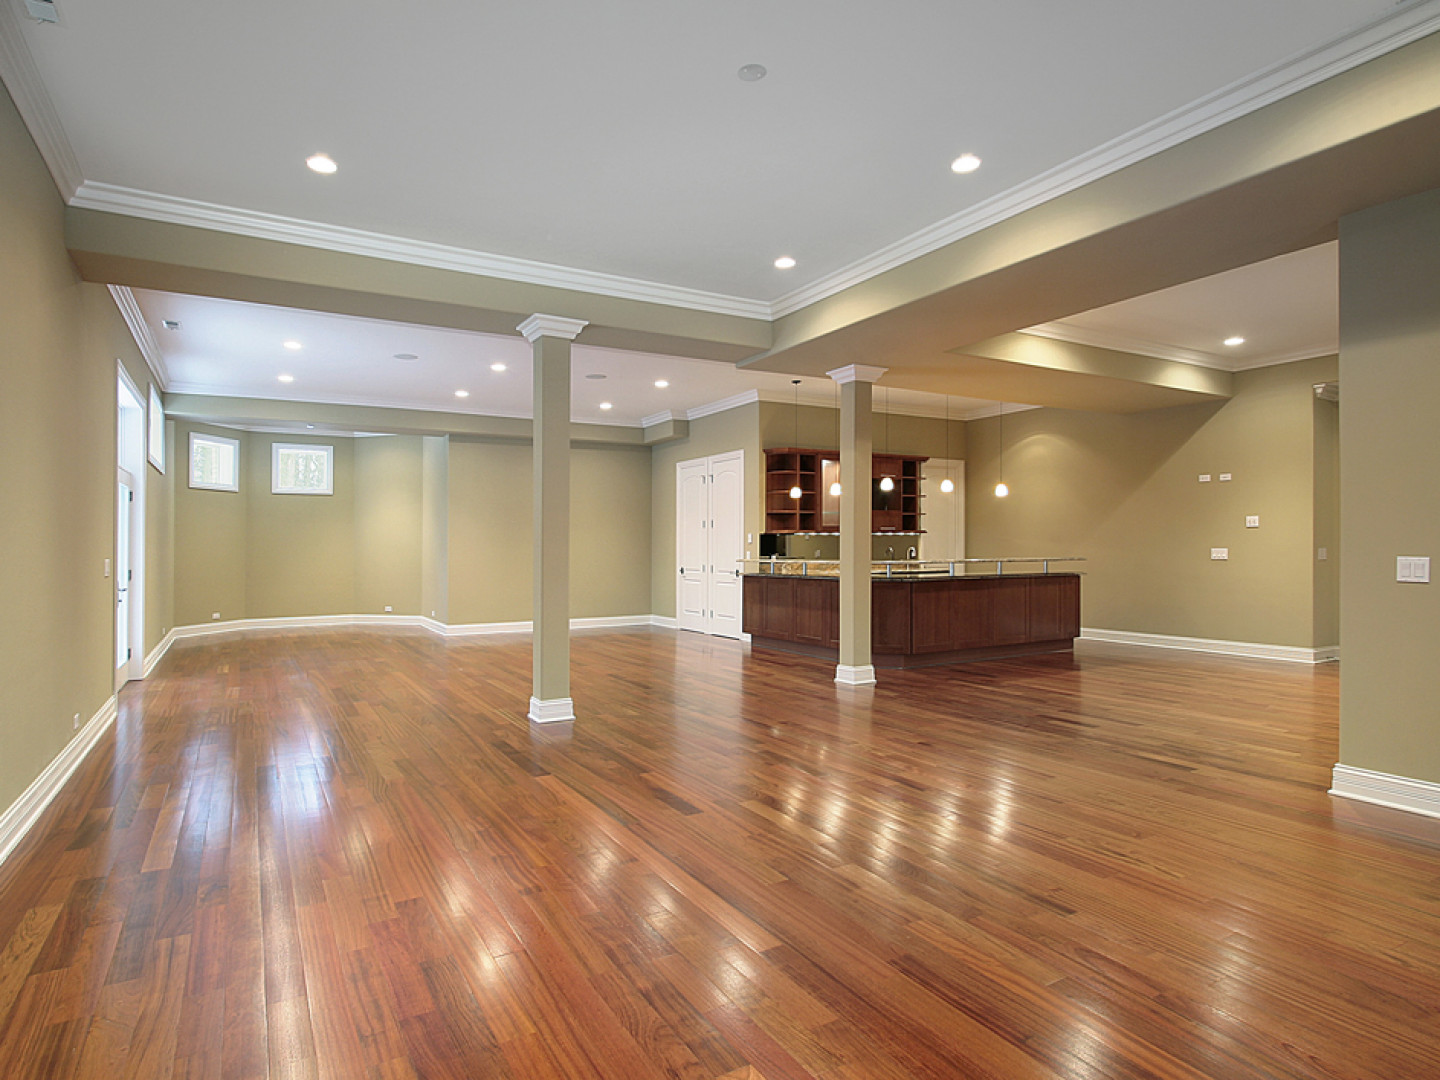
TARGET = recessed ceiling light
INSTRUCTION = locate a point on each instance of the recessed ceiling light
(965, 163)
(661, 384)
(292, 345)
(287, 378)
(170, 324)
(752, 73)
(785, 262)
(309, 427)
(1234, 340)
(596, 375)
(497, 366)
(406, 356)
(462, 393)
(606, 405)
(321, 163)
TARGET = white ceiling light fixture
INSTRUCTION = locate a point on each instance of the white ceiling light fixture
(286, 378)
(497, 366)
(1234, 339)
(887, 482)
(752, 73)
(462, 393)
(947, 485)
(965, 163)
(323, 164)
(661, 384)
(785, 262)
(606, 405)
(292, 345)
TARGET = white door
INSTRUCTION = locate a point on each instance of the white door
(692, 547)
(727, 542)
(944, 511)
(124, 649)
(709, 542)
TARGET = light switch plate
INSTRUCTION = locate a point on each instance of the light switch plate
(1252, 521)
(1414, 569)
(1219, 553)
(1204, 478)
(1322, 554)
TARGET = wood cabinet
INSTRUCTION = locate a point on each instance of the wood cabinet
(895, 508)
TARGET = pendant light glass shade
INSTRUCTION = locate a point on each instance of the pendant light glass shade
(947, 485)
(795, 492)
(835, 489)
(887, 484)
(1001, 490)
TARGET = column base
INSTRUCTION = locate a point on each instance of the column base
(551, 712)
(856, 675)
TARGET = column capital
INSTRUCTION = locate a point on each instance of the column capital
(556, 326)
(856, 373)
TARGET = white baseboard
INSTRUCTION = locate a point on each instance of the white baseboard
(1290, 653)
(26, 810)
(1383, 789)
(155, 655)
(853, 675)
(667, 622)
(553, 711)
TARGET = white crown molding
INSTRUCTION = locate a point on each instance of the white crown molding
(985, 412)
(857, 373)
(553, 326)
(22, 79)
(1249, 94)
(1060, 330)
(664, 416)
(734, 401)
(140, 331)
(1385, 789)
(20, 817)
(177, 211)
(1290, 653)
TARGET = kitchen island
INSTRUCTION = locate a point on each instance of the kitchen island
(919, 616)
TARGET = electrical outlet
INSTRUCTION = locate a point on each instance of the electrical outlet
(1224, 477)
(432, 614)
(1219, 553)
(214, 615)
(389, 608)
(1253, 521)
(1204, 478)
(1322, 554)
(75, 722)
(1414, 569)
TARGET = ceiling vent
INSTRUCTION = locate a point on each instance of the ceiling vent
(42, 10)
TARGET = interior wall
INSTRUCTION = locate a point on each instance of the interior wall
(719, 433)
(57, 428)
(1390, 390)
(211, 531)
(1327, 522)
(1123, 492)
(389, 521)
(894, 433)
(435, 528)
(489, 527)
(610, 532)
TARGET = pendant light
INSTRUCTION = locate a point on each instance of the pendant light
(1002, 489)
(887, 483)
(835, 485)
(947, 485)
(795, 491)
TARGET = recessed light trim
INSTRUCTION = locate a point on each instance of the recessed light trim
(292, 345)
(606, 405)
(965, 163)
(286, 378)
(661, 384)
(1233, 340)
(785, 262)
(462, 393)
(323, 164)
(497, 366)
(752, 73)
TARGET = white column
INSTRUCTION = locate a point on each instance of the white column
(550, 337)
(856, 420)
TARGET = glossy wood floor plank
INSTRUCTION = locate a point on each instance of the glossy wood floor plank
(339, 854)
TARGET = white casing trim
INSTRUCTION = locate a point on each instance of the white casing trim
(1290, 653)
(855, 675)
(25, 811)
(1383, 789)
(554, 711)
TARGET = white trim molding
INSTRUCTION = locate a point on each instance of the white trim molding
(1291, 653)
(25, 811)
(556, 326)
(27, 89)
(140, 330)
(857, 373)
(855, 675)
(1383, 789)
(554, 711)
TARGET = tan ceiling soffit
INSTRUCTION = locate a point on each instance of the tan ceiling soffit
(1271, 182)
(115, 249)
(269, 413)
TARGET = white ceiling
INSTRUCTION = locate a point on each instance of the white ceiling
(228, 348)
(616, 138)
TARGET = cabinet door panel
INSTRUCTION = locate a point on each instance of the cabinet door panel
(811, 600)
(1012, 616)
(973, 615)
(932, 616)
(890, 617)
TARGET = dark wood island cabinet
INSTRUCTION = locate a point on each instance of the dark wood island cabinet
(919, 621)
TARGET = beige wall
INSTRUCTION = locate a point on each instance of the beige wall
(211, 531)
(1123, 492)
(489, 531)
(58, 349)
(435, 528)
(610, 532)
(894, 433)
(389, 520)
(1327, 522)
(719, 433)
(1390, 402)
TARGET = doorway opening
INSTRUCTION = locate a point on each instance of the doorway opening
(128, 573)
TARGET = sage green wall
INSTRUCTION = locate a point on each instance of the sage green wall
(389, 521)
(435, 528)
(57, 430)
(1123, 492)
(1390, 389)
(211, 529)
(610, 541)
(489, 560)
(719, 433)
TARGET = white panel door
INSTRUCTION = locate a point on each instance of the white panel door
(692, 548)
(944, 517)
(727, 542)
(123, 645)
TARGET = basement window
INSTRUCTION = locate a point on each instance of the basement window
(302, 469)
(214, 462)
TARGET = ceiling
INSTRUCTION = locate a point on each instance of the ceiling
(600, 145)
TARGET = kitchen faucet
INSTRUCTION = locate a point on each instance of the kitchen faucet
(912, 554)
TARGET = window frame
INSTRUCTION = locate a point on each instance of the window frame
(234, 444)
(277, 448)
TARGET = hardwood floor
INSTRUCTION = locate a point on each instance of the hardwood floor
(347, 854)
